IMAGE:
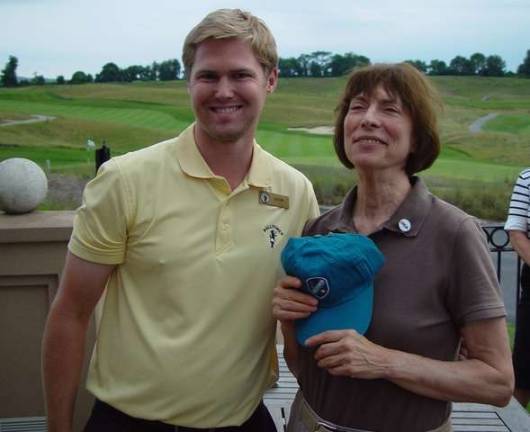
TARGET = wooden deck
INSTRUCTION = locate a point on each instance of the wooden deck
(466, 417)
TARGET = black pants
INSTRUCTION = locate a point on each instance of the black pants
(105, 418)
(521, 345)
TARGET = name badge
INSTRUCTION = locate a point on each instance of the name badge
(273, 199)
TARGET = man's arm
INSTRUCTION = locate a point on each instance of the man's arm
(82, 284)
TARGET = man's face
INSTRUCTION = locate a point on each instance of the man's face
(228, 88)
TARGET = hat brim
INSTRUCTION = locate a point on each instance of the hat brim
(355, 313)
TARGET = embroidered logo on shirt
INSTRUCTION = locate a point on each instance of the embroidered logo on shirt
(272, 234)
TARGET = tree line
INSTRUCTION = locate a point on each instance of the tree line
(315, 64)
(327, 64)
(110, 72)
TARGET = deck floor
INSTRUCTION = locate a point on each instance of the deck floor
(466, 417)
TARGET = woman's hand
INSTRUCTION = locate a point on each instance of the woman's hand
(484, 375)
(289, 303)
(347, 353)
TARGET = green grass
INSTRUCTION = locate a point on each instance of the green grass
(131, 116)
(513, 124)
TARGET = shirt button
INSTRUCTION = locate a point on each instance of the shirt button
(404, 225)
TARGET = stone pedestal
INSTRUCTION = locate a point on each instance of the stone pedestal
(32, 252)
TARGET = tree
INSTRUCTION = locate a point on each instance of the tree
(289, 67)
(60, 80)
(132, 73)
(9, 74)
(38, 80)
(315, 69)
(418, 64)
(342, 64)
(461, 66)
(319, 63)
(495, 66)
(155, 67)
(110, 73)
(303, 61)
(478, 62)
(79, 77)
(169, 70)
(437, 67)
(524, 67)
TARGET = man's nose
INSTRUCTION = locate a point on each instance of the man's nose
(224, 88)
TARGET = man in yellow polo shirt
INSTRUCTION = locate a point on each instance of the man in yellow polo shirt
(186, 237)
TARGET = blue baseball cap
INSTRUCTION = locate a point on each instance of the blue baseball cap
(338, 269)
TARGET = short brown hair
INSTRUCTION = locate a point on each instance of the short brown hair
(232, 23)
(418, 97)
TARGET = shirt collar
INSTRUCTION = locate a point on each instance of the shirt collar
(193, 164)
(408, 218)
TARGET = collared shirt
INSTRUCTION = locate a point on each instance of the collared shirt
(186, 334)
(437, 277)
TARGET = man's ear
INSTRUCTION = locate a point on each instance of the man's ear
(272, 80)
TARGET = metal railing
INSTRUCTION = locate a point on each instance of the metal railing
(499, 243)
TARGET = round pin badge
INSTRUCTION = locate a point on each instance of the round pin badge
(264, 197)
(404, 225)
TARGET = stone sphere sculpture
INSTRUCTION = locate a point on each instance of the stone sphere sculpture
(23, 185)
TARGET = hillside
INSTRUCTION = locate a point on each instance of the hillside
(131, 116)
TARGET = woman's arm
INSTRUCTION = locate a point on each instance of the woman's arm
(521, 244)
(486, 376)
(289, 304)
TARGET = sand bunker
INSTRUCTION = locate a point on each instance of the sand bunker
(318, 130)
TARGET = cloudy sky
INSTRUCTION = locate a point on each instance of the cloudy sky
(59, 37)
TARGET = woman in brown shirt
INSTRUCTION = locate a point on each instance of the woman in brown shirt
(436, 290)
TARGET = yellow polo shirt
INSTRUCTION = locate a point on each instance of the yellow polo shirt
(186, 334)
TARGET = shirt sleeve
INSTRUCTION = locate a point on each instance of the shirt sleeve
(100, 225)
(518, 211)
(314, 209)
(474, 292)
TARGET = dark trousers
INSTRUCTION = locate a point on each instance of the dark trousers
(521, 345)
(105, 418)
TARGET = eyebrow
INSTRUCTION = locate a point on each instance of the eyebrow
(230, 71)
(387, 100)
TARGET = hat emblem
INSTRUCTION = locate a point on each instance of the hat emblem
(318, 286)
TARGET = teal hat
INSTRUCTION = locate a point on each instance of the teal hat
(338, 270)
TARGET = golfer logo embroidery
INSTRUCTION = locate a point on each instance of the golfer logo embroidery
(318, 286)
(272, 234)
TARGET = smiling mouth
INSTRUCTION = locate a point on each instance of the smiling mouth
(226, 109)
(369, 140)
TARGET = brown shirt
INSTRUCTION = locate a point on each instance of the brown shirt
(437, 277)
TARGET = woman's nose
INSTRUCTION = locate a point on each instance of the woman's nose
(370, 117)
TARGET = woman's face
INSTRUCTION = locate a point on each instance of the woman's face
(377, 132)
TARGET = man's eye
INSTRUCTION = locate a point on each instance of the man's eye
(206, 77)
(242, 75)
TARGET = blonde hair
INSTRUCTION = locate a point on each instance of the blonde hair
(232, 23)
